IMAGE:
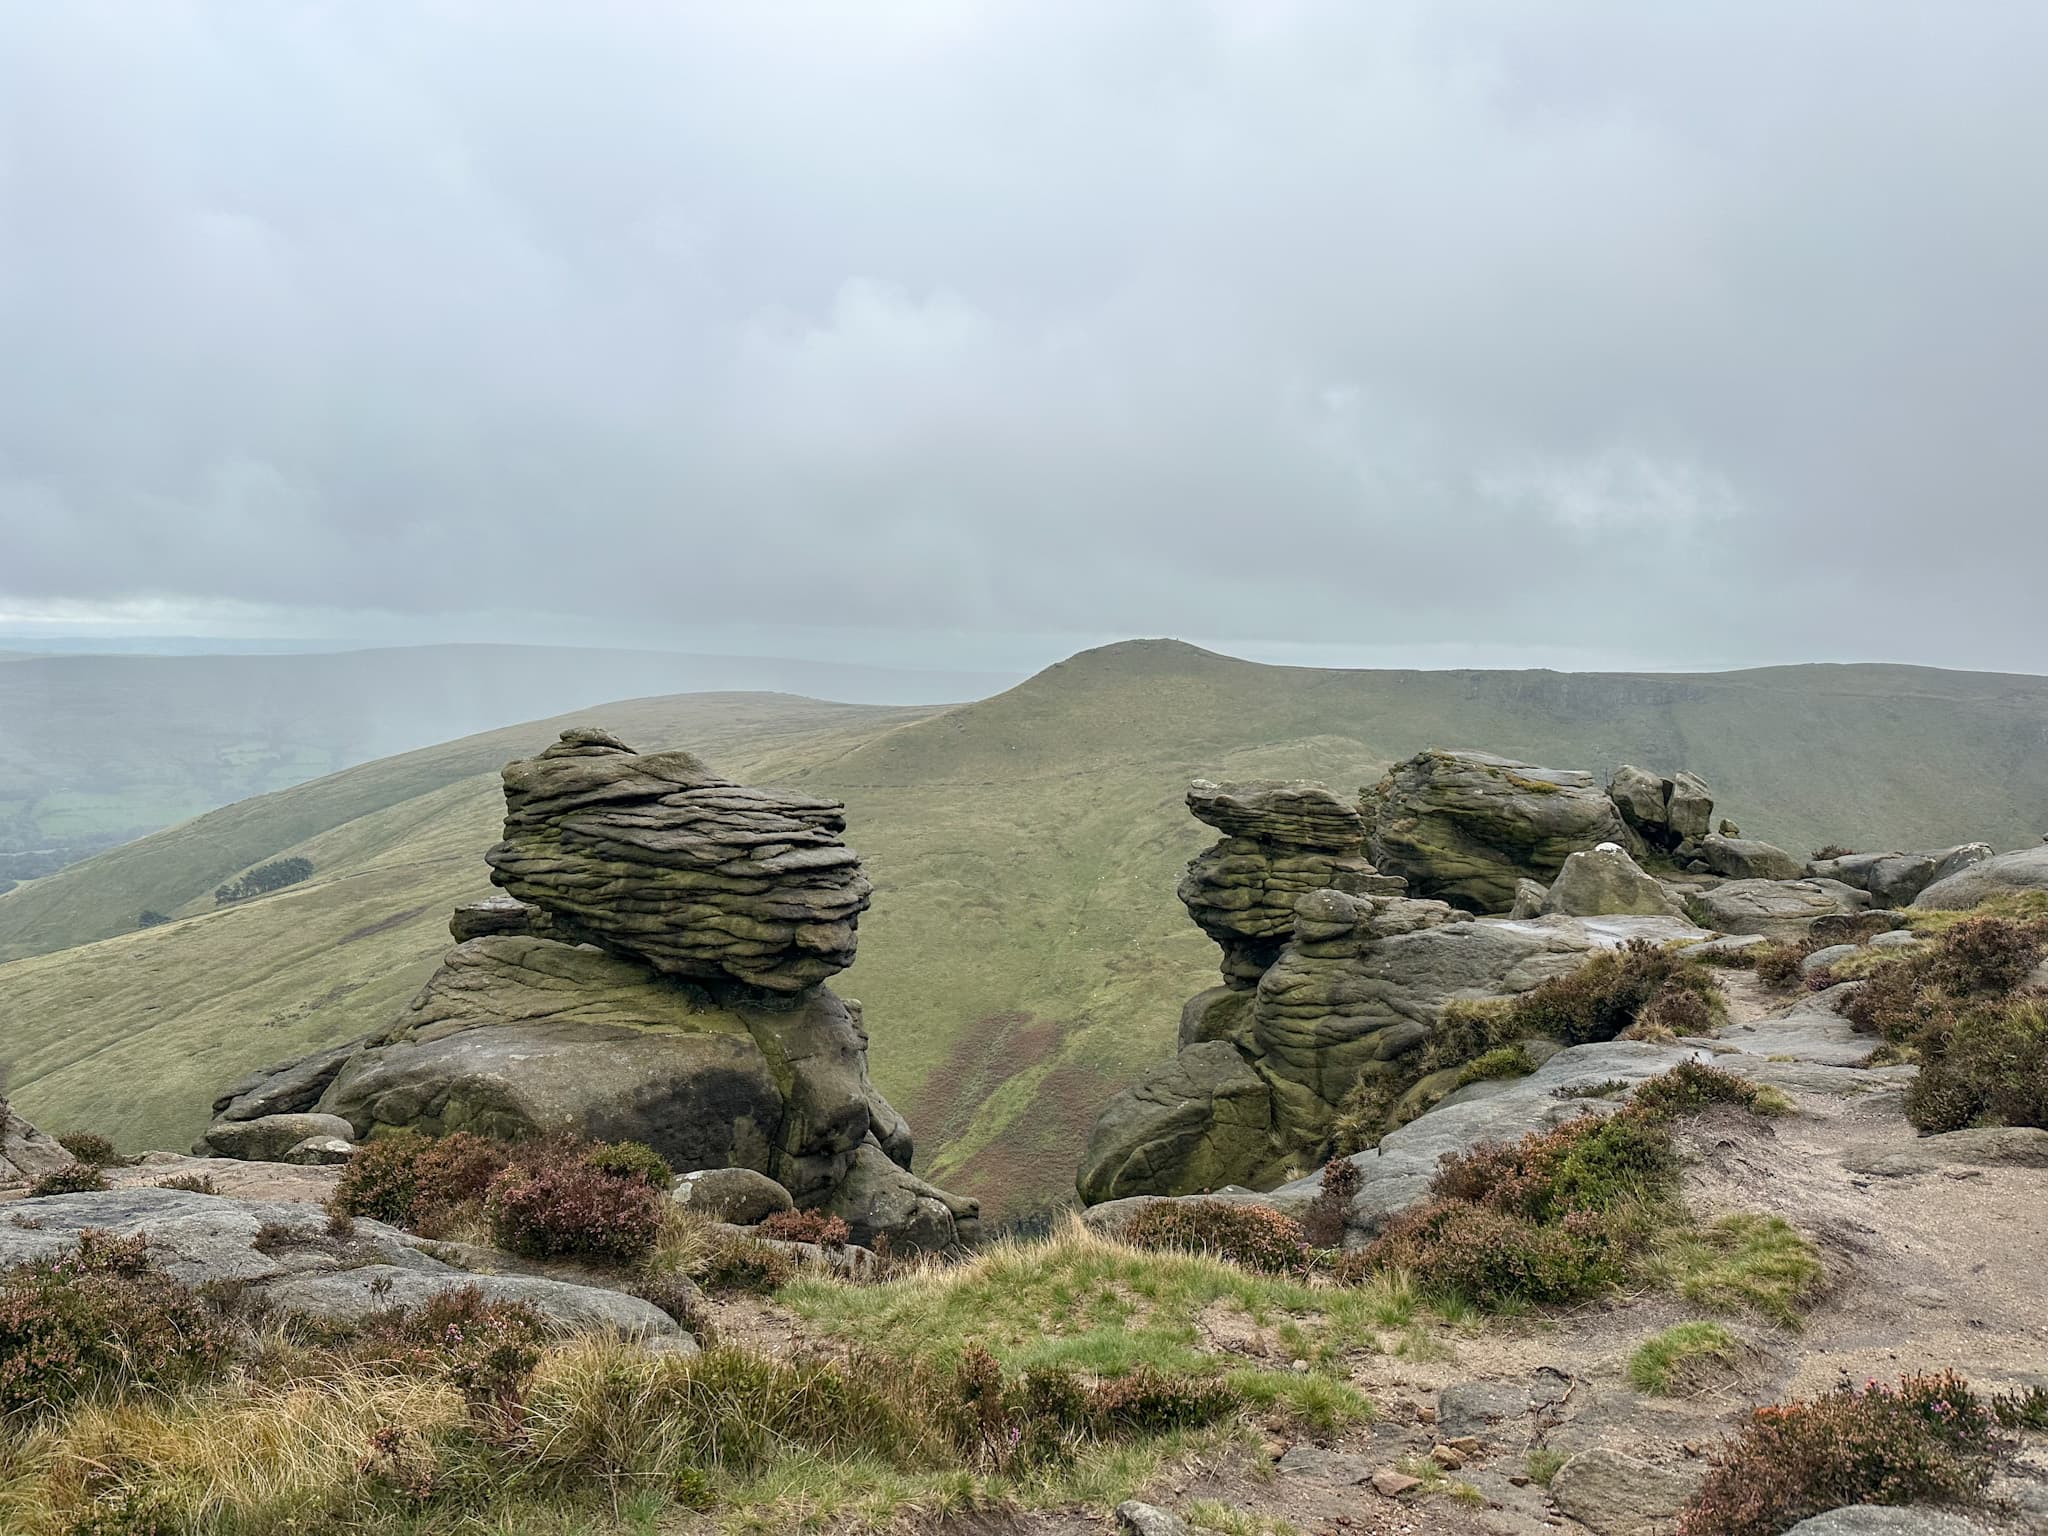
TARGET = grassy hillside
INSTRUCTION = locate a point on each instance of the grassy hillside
(1025, 954)
(96, 749)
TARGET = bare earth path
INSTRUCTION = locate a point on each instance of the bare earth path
(1932, 1263)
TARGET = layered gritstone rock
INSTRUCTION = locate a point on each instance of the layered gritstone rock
(1281, 840)
(658, 857)
(1349, 990)
(1465, 827)
(653, 976)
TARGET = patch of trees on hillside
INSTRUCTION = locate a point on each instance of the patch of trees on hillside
(262, 880)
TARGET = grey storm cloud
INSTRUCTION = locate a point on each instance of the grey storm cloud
(1676, 333)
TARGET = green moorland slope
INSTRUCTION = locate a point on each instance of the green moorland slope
(1025, 954)
(96, 749)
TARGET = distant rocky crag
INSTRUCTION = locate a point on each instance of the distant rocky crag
(1348, 926)
(655, 974)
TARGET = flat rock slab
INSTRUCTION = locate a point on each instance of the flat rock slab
(350, 1295)
(1614, 1494)
(1887, 1520)
(2002, 1146)
(1811, 1032)
(284, 1252)
(293, 1183)
(1397, 1173)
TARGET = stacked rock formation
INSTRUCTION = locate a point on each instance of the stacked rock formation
(1667, 811)
(654, 975)
(659, 858)
(1350, 980)
(1280, 842)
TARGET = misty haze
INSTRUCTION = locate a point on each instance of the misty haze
(1256, 768)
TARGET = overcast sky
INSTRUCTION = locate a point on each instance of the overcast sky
(1548, 334)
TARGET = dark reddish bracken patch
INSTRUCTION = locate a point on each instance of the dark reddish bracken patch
(1033, 1162)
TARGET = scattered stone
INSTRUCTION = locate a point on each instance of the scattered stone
(1665, 811)
(321, 1151)
(1394, 1484)
(741, 1196)
(1468, 1445)
(1447, 1458)
(1613, 1494)
(1744, 858)
(1822, 959)
(1148, 1520)
(1994, 1146)
(268, 1138)
(1530, 896)
(1465, 826)
(1896, 938)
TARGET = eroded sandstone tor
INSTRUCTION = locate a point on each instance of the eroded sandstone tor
(653, 974)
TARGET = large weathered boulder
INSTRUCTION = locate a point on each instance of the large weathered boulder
(740, 1196)
(518, 1036)
(1748, 858)
(1606, 880)
(26, 1154)
(658, 857)
(2000, 875)
(1665, 810)
(878, 1199)
(1777, 909)
(1465, 826)
(1281, 840)
(1895, 879)
(1194, 1123)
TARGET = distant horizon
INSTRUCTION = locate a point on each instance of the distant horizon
(110, 643)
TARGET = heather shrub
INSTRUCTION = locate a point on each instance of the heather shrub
(91, 1149)
(572, 1210)
(76, 1179)
(100, 1319)
(1593, 1163)
(745, 1265)
(406, 1178)
(631, 1160)
(1989, 1063)
(1501, 1061)
(1673, 1011)
(1977, 959)
(1254, 1237)
(1607, 994)
(1930, 1438)
(819, 1227)
(1692, 1086)
(1494, 1258)
(1777, 964)
(1322, 1225)
(191, 1183)
(1005, 1423)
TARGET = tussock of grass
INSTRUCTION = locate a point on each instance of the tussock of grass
(1742, 1262)
(1082, 1302)
(1682, 1358)
(1542, 1463)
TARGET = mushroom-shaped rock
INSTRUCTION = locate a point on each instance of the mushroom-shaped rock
(658, 857)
